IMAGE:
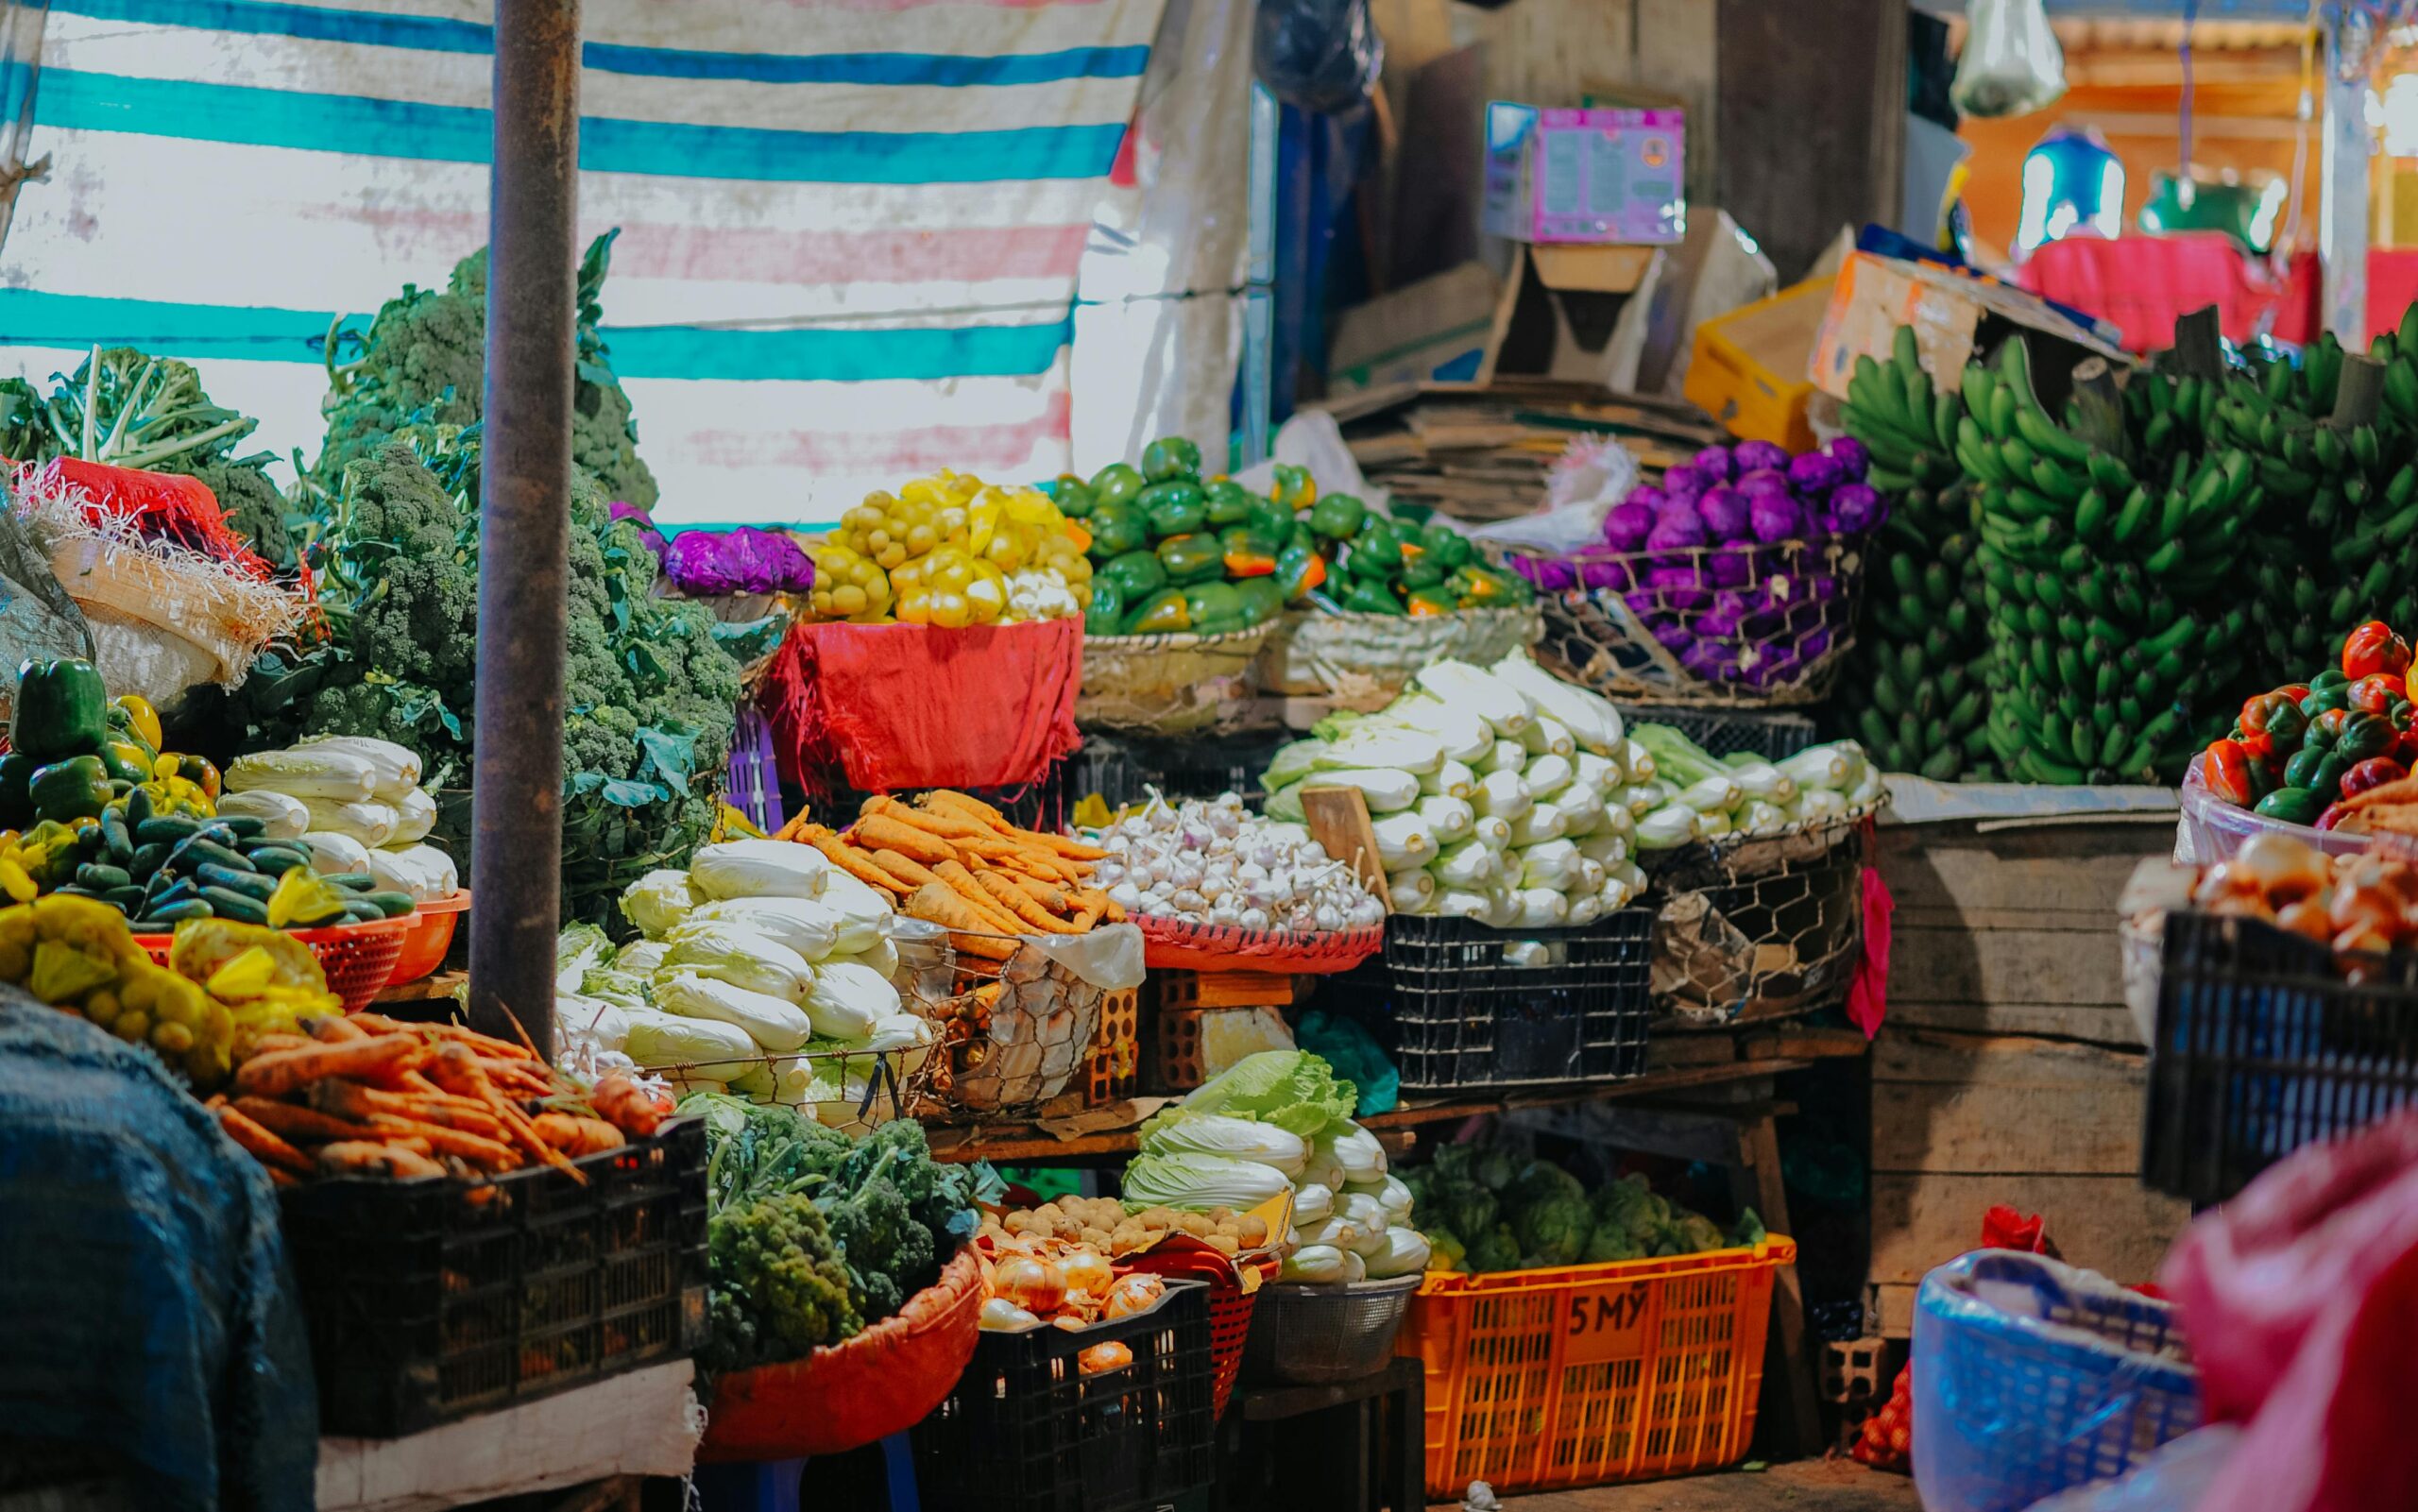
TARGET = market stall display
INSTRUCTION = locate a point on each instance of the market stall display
(1216, 887)
(1733, 581)
(951, 550)
(2315, 754)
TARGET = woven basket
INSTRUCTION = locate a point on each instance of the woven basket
(1364, 660)
(1647, 632)
(1170, 685)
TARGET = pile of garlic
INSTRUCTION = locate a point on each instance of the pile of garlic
(1213, 862)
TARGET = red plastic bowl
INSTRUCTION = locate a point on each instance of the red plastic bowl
(430, 937)
(357, 957)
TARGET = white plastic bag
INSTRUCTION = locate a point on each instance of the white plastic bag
(2011, 63)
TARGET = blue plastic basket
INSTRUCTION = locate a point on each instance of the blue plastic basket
(2031, 1376)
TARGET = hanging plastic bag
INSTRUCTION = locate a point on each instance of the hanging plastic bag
(2011, 63)
(1318, 55)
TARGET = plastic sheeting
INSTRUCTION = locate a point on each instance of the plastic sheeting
(151, 1319)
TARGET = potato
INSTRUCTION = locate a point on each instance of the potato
(1159, 1217)
(1196, 1224)
(1251, 1229)
(1217, 1216)
(1097, 1238)
(1225, 1244)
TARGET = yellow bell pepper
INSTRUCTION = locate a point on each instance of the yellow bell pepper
(141, 717)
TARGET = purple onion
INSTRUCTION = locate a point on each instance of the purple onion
(1646, 494)
(1724, 511)
(1684, 481)
(1626, 526)
(1855, 508)
(1763, 481)
(1753, 455)
(1717, 623)
(1776, 517)
(1606, 573)
(1851, 454)
(1814, 473)
(1716, 464)
(1549, 577)
(1710, 660)
(1730, 569)
(1674, 587)
(1676, 531)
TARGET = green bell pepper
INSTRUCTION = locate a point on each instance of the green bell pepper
(1262, 600)
(1074, 497)
(2293, 805)
(1420, 571)
(1338, 517)
(1119, 482)
(1302, 535)
(1446, 547)
(1428, 602)
(1230, 502)
(62, 709)
(1174, 508)
(1370, 596)
(2364, 735)
(1105, 615)
(1478, 587)
(1137, 574)
(1170, 457)
(2319, 770)
(1271, 519)
(2325, 696)
(1215, 609)
(1376, 552)
(1294, 487)
(1164, 613)
(1116, 529)
(16, 804)
(1247, 552)
(1298, 569)
(1194, 558)
(75, 788)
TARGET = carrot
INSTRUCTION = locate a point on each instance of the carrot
(849, 859)
(947, 825)
(1045, 893)
(266, 1043)
(396, 1138)
(273, 1076)
(283, 1177)
(486, 1044)
(266, 1147)
(789, 831)
(914, 873)
(937, 903)
(970, 806)
(488, 1154)
(880, 833)
(1073, 850)
(628, 1106)
(962, 883)
(1011, 897)
(347, 1100)
(575, 1135)
(457, 1070)
(362, 1158)
(332, 1030)
(298, 1123)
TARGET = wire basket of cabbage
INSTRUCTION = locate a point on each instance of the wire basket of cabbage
(1735, 581)
(1500, 794)
(1746, 813)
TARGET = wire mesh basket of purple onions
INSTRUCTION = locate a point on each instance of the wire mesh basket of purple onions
(1734, 582)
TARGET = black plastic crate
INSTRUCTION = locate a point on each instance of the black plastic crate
(432, 1300)
(2262, 1047)
(1450, 1004)
(1726, 732)
(1027, 1431)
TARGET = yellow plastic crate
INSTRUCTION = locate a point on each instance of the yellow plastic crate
(1748, 368)
(1584, 1375)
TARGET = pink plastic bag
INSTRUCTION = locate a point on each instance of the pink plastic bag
(2301, 1305)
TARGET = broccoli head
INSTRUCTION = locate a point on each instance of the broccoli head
(255, 509)
(778, 1288)
(1748, 1230)
(1693, 1233)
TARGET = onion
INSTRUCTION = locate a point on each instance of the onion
(1752, 455)
(1101, 1358)
(1627, 525)
(1035, 1285)
(2285, 869)
(1087, 1271)
(1000, 1315)
(1850, 455)
(1137, 1293)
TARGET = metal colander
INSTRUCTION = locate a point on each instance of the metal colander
(1312, 1335)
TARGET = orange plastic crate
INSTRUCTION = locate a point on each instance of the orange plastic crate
(1584, 1375)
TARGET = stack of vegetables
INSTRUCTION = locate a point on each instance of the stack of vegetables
(1915, 692)
(1484, 1209)
(764, 971)
(1742, 564)
(811, 1236)
(1174, 555)
(951, 550)
(1215, 862)
(1697, 796)
(2297, 752)
(350, 803)
(1279, 1122)
(1501, 795)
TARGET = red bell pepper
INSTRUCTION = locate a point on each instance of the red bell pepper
(2374, 648)
(2229, 769)
(2328, 727)
(2373, 773)
(2276, 716)
(2376, 692)
(2295, 691)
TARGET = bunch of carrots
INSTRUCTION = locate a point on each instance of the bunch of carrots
(955, 861)
(370, 1095)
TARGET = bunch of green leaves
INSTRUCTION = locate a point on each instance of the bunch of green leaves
(423, 359)
(778, 1289)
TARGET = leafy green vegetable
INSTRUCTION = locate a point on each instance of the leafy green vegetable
(1498, 1249)
(1554, 1228)
(422, 360)
(1292, 1089)
(777, 1287)
(1534, 1214)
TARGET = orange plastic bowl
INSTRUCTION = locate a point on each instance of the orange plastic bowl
(430, 937)
(357, 957)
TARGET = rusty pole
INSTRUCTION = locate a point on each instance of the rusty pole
(524, 519)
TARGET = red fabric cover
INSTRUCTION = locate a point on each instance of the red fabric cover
(1868, 990)
(2300, 1301)
(2143, 284)
(2392, 287)
(884, 1381)
(880, 709)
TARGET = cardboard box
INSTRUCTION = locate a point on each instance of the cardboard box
(1594, 174)
(1436, 330)
(1953, 316)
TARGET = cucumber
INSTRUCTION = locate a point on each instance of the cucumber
(169, 827)
(228, 904)
(276, 859)
(100, 877)
(127, 900)
(175, 891)
(198, 850)
(147, 858)
(71, 891)
(250, 884)
(138, 809)
(116, 835)
(393, 903)
(352, 881)
(245, 825)
(164, 917)
(361, 910)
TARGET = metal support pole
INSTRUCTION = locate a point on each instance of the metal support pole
(525, 520)
(2343, 223)
(1259, 300)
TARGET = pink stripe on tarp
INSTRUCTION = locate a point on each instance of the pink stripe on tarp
(902, 455)
(758, 255)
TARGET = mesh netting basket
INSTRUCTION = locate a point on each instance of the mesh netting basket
(1737, 627)
(357, 957)
(1761, 928)
(1314, 1335)
(1771, 734)
(1364, 660)
(1170, 685)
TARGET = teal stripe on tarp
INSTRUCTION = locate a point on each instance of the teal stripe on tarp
(72, 100)
(29, 317)
(264, 18)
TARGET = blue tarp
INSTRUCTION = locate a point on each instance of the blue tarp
(151, 1319)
